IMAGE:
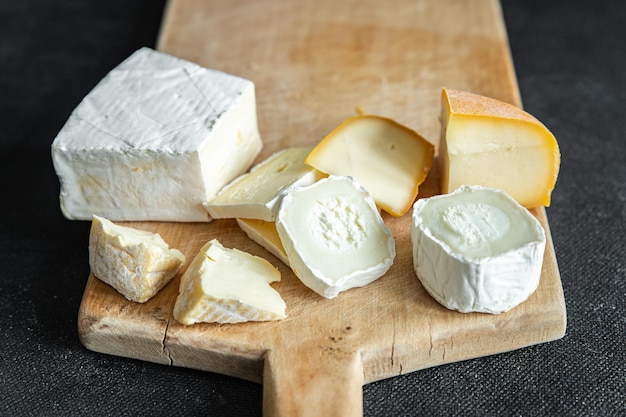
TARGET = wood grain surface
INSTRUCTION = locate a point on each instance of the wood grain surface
(312, 63)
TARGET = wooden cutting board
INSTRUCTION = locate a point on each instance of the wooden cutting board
(313, 62)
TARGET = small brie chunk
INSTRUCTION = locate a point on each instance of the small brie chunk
(477, 249)
(135, 262)
(265, 234)
(257, 194)
(225, 285)
(334, 236)
(155, 139)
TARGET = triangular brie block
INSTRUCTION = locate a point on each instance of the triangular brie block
(135, 262)
(225, 285)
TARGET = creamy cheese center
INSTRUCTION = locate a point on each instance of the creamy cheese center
(339, 225)
(477, 224)
(333, 235)
(471, 227)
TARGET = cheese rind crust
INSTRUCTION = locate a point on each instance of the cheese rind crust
(156, 138)
(136, 263)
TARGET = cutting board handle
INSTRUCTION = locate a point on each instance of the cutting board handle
(315, 382)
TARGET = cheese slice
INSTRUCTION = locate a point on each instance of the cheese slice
(225, 285)
(388, 159)
(156, 138)
(494, 144)
(334, 236)
(477, 249)
(135, 262)
(257, 194)
(265, 234)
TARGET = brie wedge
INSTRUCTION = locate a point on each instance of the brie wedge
(265, 234)
(389, 160)
(225, 285)
(334, 236)
(477, 249)
(258, 193)
(156, 138)
(494, 144)
(135, 262)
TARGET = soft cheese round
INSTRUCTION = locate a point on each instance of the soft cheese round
(477, 249)
(334, 236)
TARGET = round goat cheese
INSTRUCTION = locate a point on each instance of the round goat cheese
(477, 249)
(334, 236)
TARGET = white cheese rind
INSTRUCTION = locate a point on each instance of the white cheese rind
(223, 285)
(258, 193)
(156, 138)
(136, 263)
(265, 234)
(334, 236)
(486, 261)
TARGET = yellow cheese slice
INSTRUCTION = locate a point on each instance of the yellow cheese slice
(137, 263)
(388, 159)
(265, 234)
(225, 285)
(495, 144)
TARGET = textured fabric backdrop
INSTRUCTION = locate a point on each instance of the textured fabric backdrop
(570, 61)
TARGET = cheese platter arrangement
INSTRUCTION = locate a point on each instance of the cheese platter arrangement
(314, 196)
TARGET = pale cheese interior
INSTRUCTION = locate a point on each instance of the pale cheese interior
(257, 194)
(228, 286)
(478, 223)
(507, 150)
(334, 230)
(389, 160)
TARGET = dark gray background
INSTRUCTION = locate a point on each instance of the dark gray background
(570, 62)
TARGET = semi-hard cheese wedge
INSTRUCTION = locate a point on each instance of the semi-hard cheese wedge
(225, 285)
(334, 236)
(156, 138)
(265, 234)
(135, 262)
(257, 194)
(477, 249)
(495, 144)
(388, 159)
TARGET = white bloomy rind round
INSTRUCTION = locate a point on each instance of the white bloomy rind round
(487, 284)
(317, 266)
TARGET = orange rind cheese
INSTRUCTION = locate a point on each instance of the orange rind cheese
(495, 144)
